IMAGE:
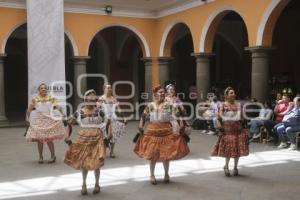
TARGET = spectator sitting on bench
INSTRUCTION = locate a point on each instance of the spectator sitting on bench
(280, 110)
(289, 126)
(264, 114)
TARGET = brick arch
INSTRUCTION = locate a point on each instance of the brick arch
(73, 43)
(8, 34)
(16, 26)
(169, 36)
(141, 39)
(211, 25)
(268, 22)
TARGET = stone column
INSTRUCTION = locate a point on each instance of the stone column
(80, 68)
(136, 77)
(260, 72)
(164, 69)
(202, 74)
(46, 49)
(148, 76)
(3, 119)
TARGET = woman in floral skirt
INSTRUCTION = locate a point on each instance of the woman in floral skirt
(44, 126)
(233, 139)
(111, 108)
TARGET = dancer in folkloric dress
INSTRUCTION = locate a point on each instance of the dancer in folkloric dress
(233, 139)
(112, 111)
(44, 126)
(158, 142)
(178, 107)
(88, 151)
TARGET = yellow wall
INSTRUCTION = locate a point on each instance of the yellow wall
(251, 12)
(9, 20)
(83, 27)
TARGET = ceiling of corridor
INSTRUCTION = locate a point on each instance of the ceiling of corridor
(137, 8)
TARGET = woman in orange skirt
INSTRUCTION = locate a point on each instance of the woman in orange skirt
(88, 151)
(233, 139)
(158, 142)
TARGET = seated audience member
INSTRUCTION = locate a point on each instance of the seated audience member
(200, 123)
(289, 126)
(276, 100)
(264, 115)
(280, 110)
(252, 109)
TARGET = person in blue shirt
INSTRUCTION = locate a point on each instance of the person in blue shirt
(289, 126)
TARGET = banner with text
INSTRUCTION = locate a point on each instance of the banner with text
(46, 51)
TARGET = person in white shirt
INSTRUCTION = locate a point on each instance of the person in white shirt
(264, 114)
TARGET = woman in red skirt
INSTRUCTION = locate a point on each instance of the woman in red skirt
(233, 139)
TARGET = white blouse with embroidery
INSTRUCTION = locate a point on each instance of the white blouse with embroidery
(161, 113)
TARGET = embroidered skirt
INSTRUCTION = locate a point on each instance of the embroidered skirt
(88, 151)
(160, 144)
(43, 128)
(118, 130)
(233, 143)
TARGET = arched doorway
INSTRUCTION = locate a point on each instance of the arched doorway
(284, 65)
(231, 65)
(116, 51)
(176, 63)
(69, 69)
(182, 67)
(16, 72)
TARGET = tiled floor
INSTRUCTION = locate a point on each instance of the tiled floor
(267, 173)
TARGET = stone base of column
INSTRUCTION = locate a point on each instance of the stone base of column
(4, 122)
(3, 119)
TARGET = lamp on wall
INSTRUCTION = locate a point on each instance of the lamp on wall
(108, 9)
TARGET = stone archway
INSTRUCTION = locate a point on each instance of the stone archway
(225, 35)
(15, 74)
(116, 51)
(284, 61)
(16, 71)
(175, 62)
